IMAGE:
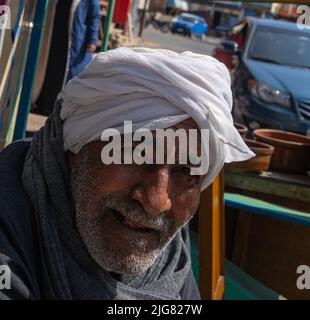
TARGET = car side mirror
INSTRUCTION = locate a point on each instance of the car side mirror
(230, 47)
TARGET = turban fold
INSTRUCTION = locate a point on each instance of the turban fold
(154, 89)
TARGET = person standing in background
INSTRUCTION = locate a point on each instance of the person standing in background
(84, 35)
(74, 38)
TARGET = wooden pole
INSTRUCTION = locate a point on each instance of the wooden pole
(143, 18)
(211, 226)
(107, 25)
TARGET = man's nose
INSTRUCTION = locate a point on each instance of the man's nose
(153, 191)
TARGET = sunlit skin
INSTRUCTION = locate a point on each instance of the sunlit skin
(157, 190)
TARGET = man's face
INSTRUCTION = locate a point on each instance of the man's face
(127, 213)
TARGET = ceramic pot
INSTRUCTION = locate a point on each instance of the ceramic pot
(292, 151)
(260, 162)
(242, 129)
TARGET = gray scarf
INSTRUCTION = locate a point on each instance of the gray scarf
(71, 272)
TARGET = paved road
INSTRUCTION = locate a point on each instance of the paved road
(156, 39)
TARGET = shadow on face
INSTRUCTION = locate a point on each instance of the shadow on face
(127, 213)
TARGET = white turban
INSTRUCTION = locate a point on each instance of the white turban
(154, 89)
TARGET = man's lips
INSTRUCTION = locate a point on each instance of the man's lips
(135, 225)
(130, 223)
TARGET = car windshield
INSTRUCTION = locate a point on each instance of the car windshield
(281, 47)
(187, 19)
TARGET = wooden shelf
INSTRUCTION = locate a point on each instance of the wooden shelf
(288, 190)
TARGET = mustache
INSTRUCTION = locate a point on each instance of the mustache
(133, 210)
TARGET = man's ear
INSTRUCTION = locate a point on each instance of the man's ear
(70, 158)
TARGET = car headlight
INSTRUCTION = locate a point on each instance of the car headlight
(268, 94)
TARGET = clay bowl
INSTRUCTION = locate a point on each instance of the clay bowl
(243, 130)
(292, 151)
(260, 162)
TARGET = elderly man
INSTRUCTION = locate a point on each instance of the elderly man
(73, 226)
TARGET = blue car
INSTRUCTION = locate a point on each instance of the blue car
(190, 25)
(271, 80)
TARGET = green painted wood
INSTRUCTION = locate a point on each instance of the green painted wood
(241, 286)
(265, 208)
(195, 255)
(107, 25)
(238, 284)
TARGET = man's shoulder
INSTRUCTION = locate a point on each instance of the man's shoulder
(12, 194)
(18, 234)
(16, 211)
(13, 155)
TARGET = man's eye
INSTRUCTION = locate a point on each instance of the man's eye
(186, 172)
(182, 170)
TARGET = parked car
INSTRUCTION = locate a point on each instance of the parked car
(271, 76)
(159, 21)
(190, 25)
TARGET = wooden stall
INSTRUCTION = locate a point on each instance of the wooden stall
(268, 227)
(15, 43)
